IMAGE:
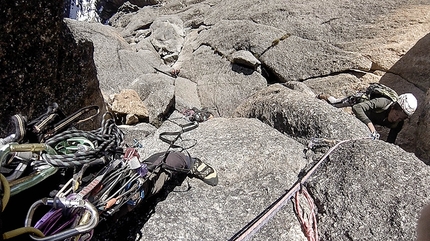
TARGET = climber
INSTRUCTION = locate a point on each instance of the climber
(384, 112)
(381, 111)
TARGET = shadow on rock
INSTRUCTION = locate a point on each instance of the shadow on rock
(241, 69)
(129, 225)
(411, 75)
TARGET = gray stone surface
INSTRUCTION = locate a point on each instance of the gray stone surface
(257, 140)
(300, 115)
(362, 177)
(186, 96)
(299, 59)
(423, 148)
(254, 170)
(167, 37)
(41, 63)
(157, 93)
(246, 58)
(221, 86)
(124, 65)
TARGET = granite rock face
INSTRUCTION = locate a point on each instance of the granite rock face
(283, 109)
(257, 69)
(41, 63)
(364, 176)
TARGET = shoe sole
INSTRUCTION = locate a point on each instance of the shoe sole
(212, 178)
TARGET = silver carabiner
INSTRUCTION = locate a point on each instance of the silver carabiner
(63, 203)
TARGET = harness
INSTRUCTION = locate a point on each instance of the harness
(177, 135)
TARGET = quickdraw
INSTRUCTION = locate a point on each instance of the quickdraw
(114, 186)
(39, 174)
(117, 176)
(54, 121)
(4, 202)
(16, 159)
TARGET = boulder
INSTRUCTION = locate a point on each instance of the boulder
(109, 8)
(370, 190)
(157, 92)
(225, 39)
(128, 103)
(301, 87)
(339, 85)
(387, 38)
(299, 59)
(42, 63)
(284, 109)
(135, 23)
(422, 138)
(186, 96)
(246, 58)
(167, 37)
(125, 63)
(253, 171)
(221, 86)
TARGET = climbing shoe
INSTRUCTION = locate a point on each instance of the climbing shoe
(204, 172)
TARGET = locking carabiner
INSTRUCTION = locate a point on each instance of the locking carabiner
(64, 203)
(31, 147)
(24, 183)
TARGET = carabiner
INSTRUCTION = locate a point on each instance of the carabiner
(73, 145)
(21, 184)
(15, 147)
(19, 170)
(63, 203)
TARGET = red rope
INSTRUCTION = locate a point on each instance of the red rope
(308, 224)
(310, 230)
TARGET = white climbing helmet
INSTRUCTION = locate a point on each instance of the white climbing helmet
(408, 102)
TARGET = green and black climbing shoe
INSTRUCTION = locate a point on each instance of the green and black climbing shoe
(204, 172)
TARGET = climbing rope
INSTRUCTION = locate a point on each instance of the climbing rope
(119, 181)
(107, 139)
(252, 227)
(117, 176)
(308, 224)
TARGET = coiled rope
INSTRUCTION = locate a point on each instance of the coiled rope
(108, 138)
(309, 224)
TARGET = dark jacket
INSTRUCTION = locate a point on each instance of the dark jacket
(376, 111)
